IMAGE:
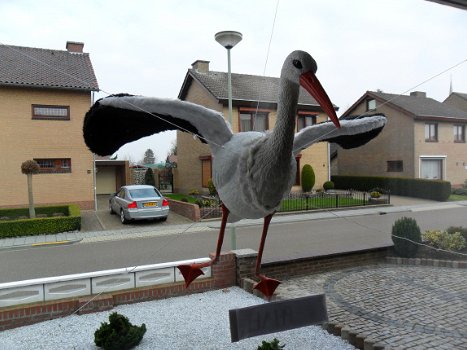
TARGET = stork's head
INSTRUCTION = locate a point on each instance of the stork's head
(301, 68)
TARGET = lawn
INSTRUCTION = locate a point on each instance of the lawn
(180, 196)
(457, 197)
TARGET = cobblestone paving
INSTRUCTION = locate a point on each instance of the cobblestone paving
(401, 307)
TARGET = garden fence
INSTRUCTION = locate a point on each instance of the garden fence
(297, 201)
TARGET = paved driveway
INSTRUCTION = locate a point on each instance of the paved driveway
(402, 307)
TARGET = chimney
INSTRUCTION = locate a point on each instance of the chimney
(73, 46)
(200, 66)
(418, 94)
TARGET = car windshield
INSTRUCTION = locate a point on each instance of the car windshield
(144, 193)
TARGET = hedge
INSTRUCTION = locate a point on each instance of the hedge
(15, 227)
(419, 188)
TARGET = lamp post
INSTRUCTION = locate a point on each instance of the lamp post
(229, 39)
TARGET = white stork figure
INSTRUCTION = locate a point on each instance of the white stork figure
(252, 171)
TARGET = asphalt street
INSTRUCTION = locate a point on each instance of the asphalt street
(289, 237)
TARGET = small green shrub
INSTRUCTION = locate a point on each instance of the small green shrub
(454, 229)
(407, 229)
(212, 188)
(308, 178)
(375, 194)
(270, 345)
(119, 334)
(328, 185)
(444, 240)
(193, 192)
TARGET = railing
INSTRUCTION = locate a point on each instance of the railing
(333, 199)
(297, 201)
(77, 285)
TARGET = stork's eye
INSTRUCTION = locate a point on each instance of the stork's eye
(297, 64)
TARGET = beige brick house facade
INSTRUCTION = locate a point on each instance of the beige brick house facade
(423, 138)
(209, 89)
(41, 113)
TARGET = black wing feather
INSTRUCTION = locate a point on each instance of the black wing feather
(106, 128)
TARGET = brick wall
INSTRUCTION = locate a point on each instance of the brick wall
(22, 138)
(395, 142)
(188, 210)
(246, 260)
(223, 276)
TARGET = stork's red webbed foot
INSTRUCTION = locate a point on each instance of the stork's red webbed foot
(267, 285)
(192, 271)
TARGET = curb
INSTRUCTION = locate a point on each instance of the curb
(41, 244)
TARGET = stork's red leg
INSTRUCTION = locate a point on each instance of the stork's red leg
(192, 271)
(266, 285)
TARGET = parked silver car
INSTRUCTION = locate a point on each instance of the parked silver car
(137, 202)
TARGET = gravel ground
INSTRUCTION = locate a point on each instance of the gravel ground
(197, 321)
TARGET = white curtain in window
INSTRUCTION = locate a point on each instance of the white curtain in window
(431, 169)
(245, 122)
(260, 122)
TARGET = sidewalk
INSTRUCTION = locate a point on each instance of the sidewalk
(94, 223)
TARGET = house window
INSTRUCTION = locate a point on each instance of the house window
(253, 122)
(50, 112)
(370, 105)
(395, 166)
(431, 132)
(54, 166)
(206, 170)
(431, 168)
(305, 120)
(459, 133)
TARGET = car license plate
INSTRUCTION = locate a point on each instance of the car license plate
(150, 204)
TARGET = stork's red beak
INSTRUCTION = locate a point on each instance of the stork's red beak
(311, 84)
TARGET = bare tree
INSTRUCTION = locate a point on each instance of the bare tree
(29, 168)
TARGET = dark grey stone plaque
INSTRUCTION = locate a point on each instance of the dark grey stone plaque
(277, 316)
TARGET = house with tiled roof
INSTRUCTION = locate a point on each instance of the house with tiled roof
(423, 138)
(254, 105)
(44, 95)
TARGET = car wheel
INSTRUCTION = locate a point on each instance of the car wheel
(111, 210)
(123, 219)
(163, 219)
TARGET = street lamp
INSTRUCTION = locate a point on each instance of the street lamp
(229, 39)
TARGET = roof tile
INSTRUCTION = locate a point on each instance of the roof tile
(246, 87)
(45, 68)
(422, 106)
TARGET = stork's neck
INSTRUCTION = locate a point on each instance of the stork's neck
(283, 134)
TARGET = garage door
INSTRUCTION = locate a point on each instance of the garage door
(106, 180)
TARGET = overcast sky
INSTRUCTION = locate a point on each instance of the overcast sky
(146, 47)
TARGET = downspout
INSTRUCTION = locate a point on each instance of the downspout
(94, 170)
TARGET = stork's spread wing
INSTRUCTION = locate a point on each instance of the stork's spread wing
(118, 119)
(352, 133)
